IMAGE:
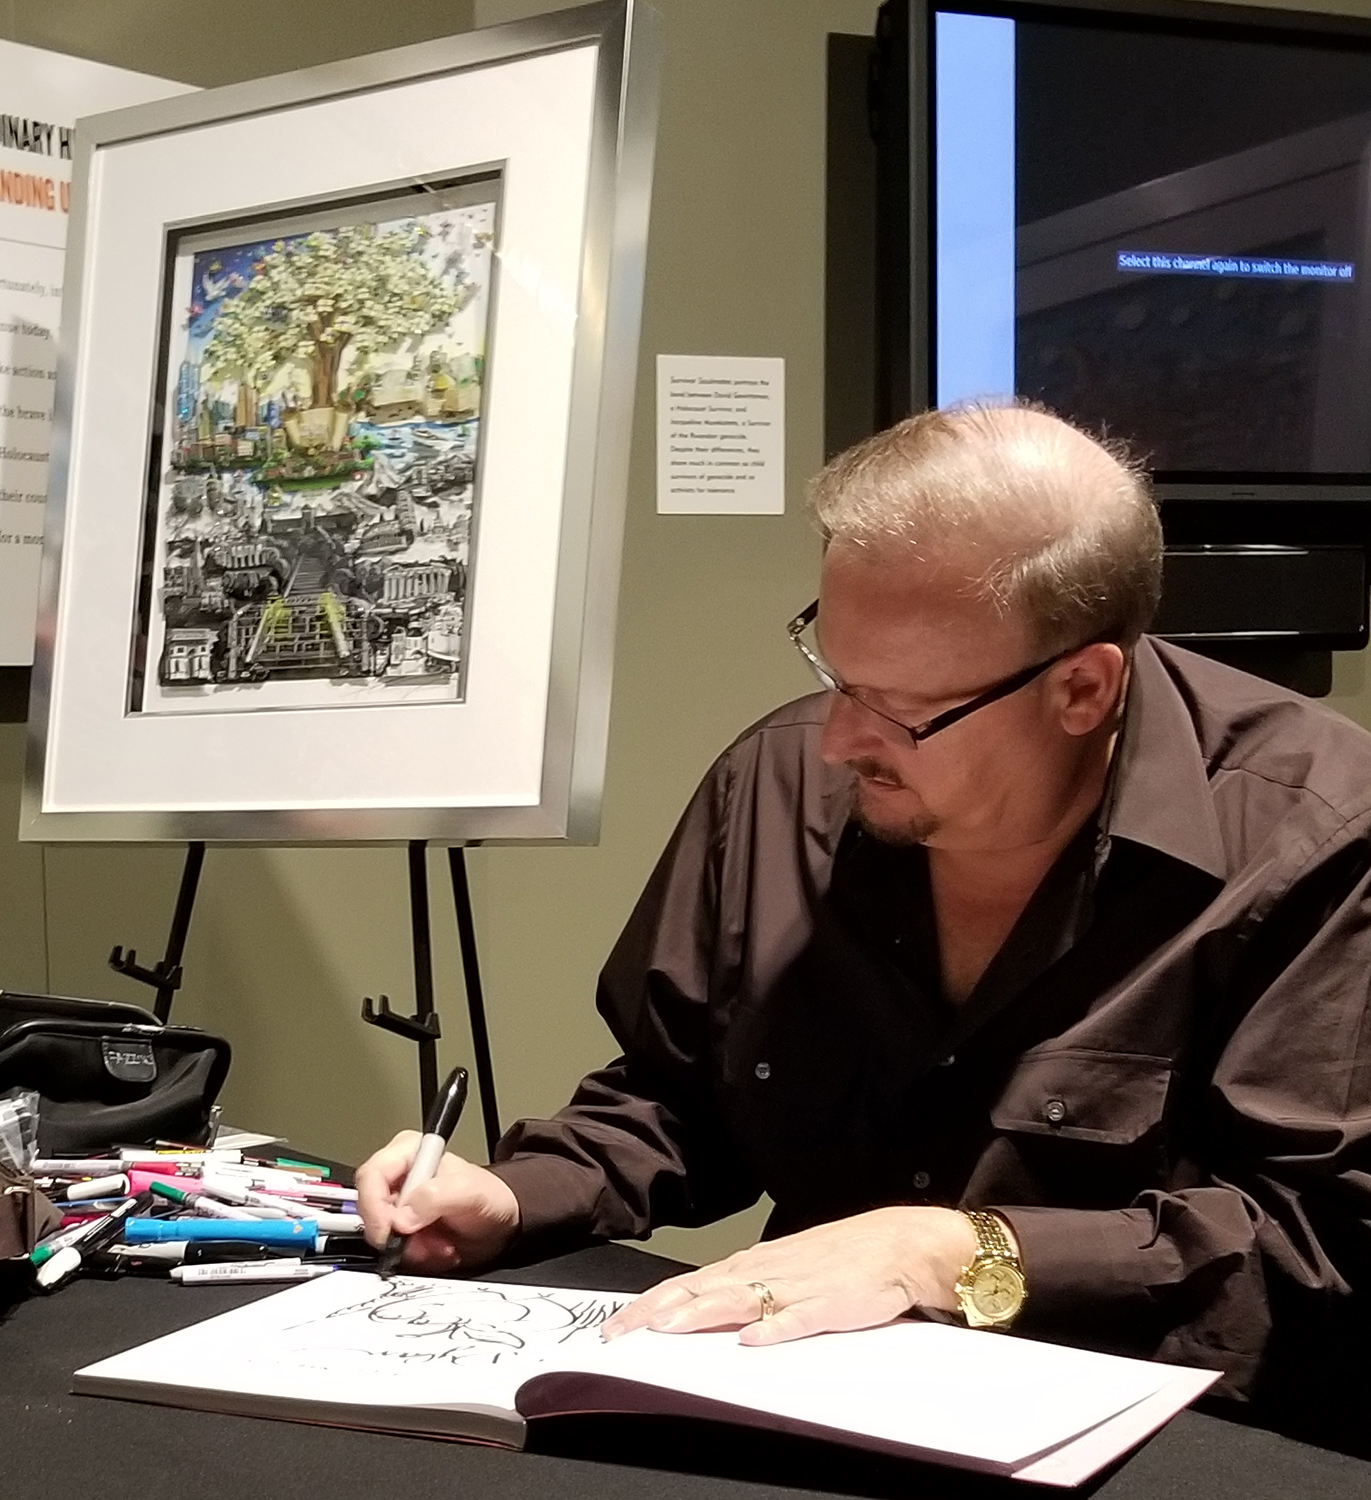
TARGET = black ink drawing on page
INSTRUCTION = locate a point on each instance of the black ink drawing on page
(456, 1325)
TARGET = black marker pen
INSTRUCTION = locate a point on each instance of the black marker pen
(443, 1116)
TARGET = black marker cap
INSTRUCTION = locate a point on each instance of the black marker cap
(446, 1108)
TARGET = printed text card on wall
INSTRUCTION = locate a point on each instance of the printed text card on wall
(41, 96)
(720, 435)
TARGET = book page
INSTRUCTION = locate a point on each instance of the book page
(356, 1338)
(984, 1396)
(1074, 1462)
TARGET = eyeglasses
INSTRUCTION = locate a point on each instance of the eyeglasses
(916, 732)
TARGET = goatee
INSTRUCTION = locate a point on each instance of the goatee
(903, 833)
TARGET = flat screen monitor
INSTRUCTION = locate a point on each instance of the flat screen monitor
(1156, 221)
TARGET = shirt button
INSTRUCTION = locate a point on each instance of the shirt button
(1054, 1111)
(922, 1180)
(763, 1071)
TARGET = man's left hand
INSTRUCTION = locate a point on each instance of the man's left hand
(854, 1273)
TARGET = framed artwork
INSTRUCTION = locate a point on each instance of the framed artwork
(343, 417)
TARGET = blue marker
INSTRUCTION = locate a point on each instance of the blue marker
(293, 1232)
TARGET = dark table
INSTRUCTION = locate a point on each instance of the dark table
(54, 1445)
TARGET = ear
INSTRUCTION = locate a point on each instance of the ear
(1089, 686)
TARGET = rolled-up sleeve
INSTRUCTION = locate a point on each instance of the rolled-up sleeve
(1180, 1273)
(1280, 1145)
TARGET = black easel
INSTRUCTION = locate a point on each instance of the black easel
(476, 1005)
(165, 976)
(423, 1027)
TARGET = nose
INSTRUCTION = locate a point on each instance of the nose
(851, 733)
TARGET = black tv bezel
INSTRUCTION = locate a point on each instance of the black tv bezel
(1216, 507)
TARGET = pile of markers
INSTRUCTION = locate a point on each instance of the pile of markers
(204, 1216)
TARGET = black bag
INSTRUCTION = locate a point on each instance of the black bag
(108, 1074)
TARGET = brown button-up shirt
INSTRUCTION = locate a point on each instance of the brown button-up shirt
(1163, 1080)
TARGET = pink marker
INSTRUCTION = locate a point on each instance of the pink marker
(81, 1214)
(143, 1181)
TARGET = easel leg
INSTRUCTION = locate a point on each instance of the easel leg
(166, 976)
(422, 1028)
(180, 926)
(476, 1006)
(423, 969)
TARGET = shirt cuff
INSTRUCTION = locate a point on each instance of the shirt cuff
(552, 1194)
(1076, 1258)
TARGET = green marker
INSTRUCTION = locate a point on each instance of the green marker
(313, 1166)
(199, 1203)
(54, 1243)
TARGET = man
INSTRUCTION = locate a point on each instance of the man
(1030, 916)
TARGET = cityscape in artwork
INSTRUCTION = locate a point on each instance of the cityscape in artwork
(315, 514)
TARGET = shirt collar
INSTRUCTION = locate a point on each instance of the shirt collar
(1161, 795)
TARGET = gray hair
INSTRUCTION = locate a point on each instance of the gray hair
(1051, 525)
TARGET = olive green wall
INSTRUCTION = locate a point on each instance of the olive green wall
(285, 943)
(196, 42)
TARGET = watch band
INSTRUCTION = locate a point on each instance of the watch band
(990, 1236)
(990, 1290)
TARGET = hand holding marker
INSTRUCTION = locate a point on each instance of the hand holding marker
(443, 1115)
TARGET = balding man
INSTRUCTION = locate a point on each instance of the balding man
(1025, 969)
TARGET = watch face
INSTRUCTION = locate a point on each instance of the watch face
(997, 1291)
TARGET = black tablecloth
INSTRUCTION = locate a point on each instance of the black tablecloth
(54, 1445)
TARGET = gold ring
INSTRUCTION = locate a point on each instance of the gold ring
(766, 1297)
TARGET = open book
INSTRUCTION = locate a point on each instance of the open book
(478, 1360)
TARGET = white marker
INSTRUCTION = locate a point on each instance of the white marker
(262, 1270)
(151, 1160)
(116, 1186)
(251, 1174)
(324, 1192)
(338, 1223)
(58, 1267)
(233, 1192)
(59, 1239)
(261, 1180)
(73, 1166)
(207, 1208)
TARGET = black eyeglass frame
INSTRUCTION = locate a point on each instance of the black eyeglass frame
(945, 720)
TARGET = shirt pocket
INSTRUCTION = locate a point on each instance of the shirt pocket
(1078, 1094)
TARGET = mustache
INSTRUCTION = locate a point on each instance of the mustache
(877, 770)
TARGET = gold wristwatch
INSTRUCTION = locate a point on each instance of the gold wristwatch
(990, 1290)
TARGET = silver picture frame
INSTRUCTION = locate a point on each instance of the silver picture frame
(625, 34)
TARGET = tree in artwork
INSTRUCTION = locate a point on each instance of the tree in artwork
(314, 298)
